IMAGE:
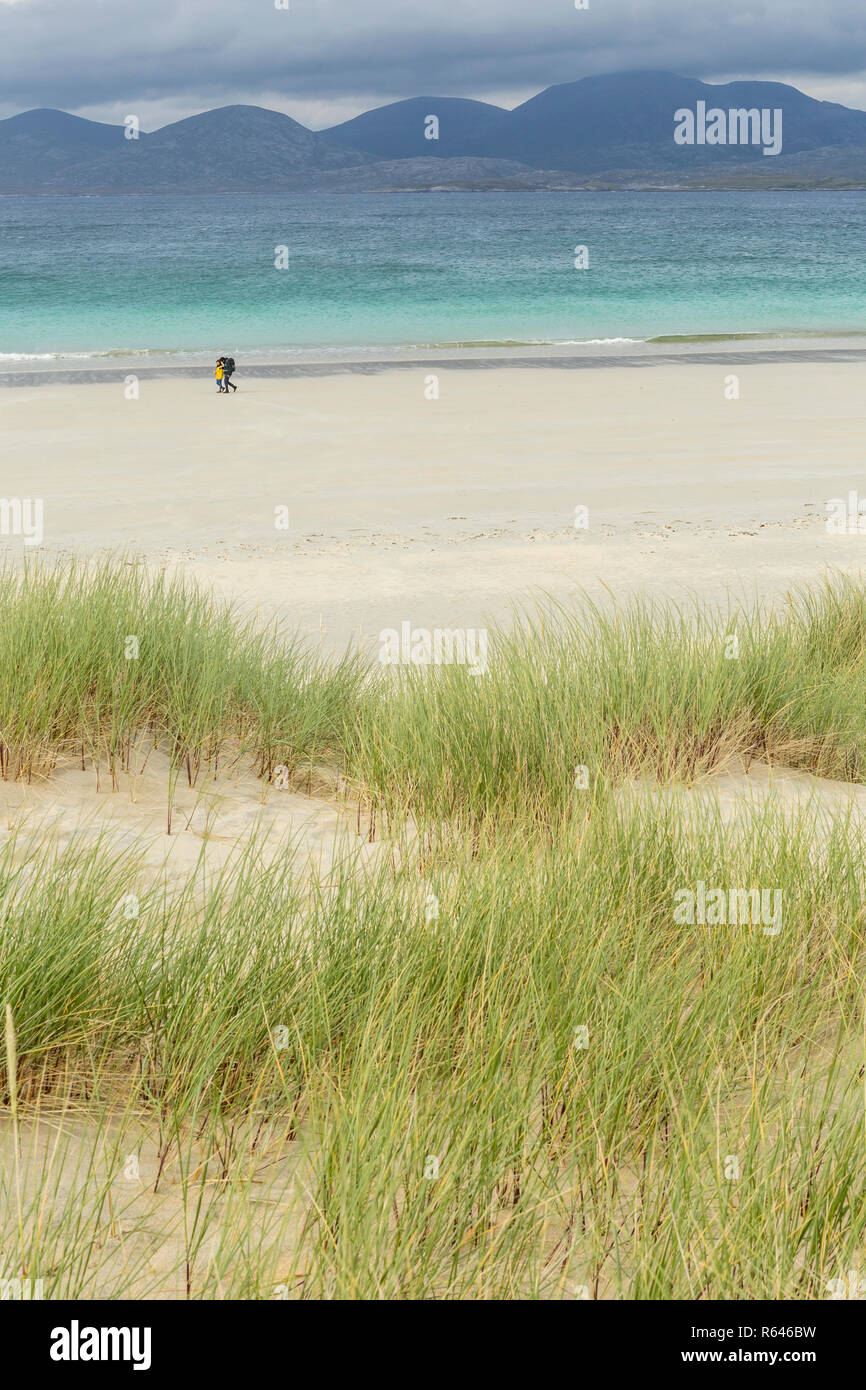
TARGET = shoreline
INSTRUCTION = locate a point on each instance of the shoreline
(724, 352)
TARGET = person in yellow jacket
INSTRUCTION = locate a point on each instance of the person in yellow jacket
(218, 373)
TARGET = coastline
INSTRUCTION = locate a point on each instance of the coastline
(700, 350)
(449, 513)
(432, 734)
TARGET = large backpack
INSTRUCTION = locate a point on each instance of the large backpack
(230, 365)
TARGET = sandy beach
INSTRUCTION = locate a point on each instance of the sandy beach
(442, 498)
(432, 672)
(448, 511)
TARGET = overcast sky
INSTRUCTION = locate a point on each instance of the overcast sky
(325, 60)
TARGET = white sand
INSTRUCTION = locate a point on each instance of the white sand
(208, 822)
(440, 512)
(443, 511)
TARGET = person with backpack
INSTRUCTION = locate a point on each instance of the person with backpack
(228, 368)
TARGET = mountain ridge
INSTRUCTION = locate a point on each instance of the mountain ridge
(610, 130)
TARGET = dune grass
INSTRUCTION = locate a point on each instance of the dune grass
(545, 1087)
(491, 1062)
(99, 659)
(600, 696)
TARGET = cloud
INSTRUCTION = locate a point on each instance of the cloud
(334, 57)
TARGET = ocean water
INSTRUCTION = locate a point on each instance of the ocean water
(193, 276)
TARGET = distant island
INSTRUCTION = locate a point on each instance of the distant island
(609, 132)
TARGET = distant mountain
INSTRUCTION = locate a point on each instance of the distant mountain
(231, 149)
(626, 120)
(398, 131)
(45, 128)
(610, 131)
(36, 145)
(601, 124)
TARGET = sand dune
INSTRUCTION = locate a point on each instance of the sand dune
(209, 821)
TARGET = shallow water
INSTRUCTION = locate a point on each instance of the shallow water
(196, 275)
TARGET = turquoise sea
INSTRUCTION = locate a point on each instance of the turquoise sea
(190, 276)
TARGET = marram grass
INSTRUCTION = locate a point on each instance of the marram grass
(548, 1087)
(643, 691)
(96, 658)
(495, 1062)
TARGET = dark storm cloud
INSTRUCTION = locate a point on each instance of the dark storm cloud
(208, 52)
